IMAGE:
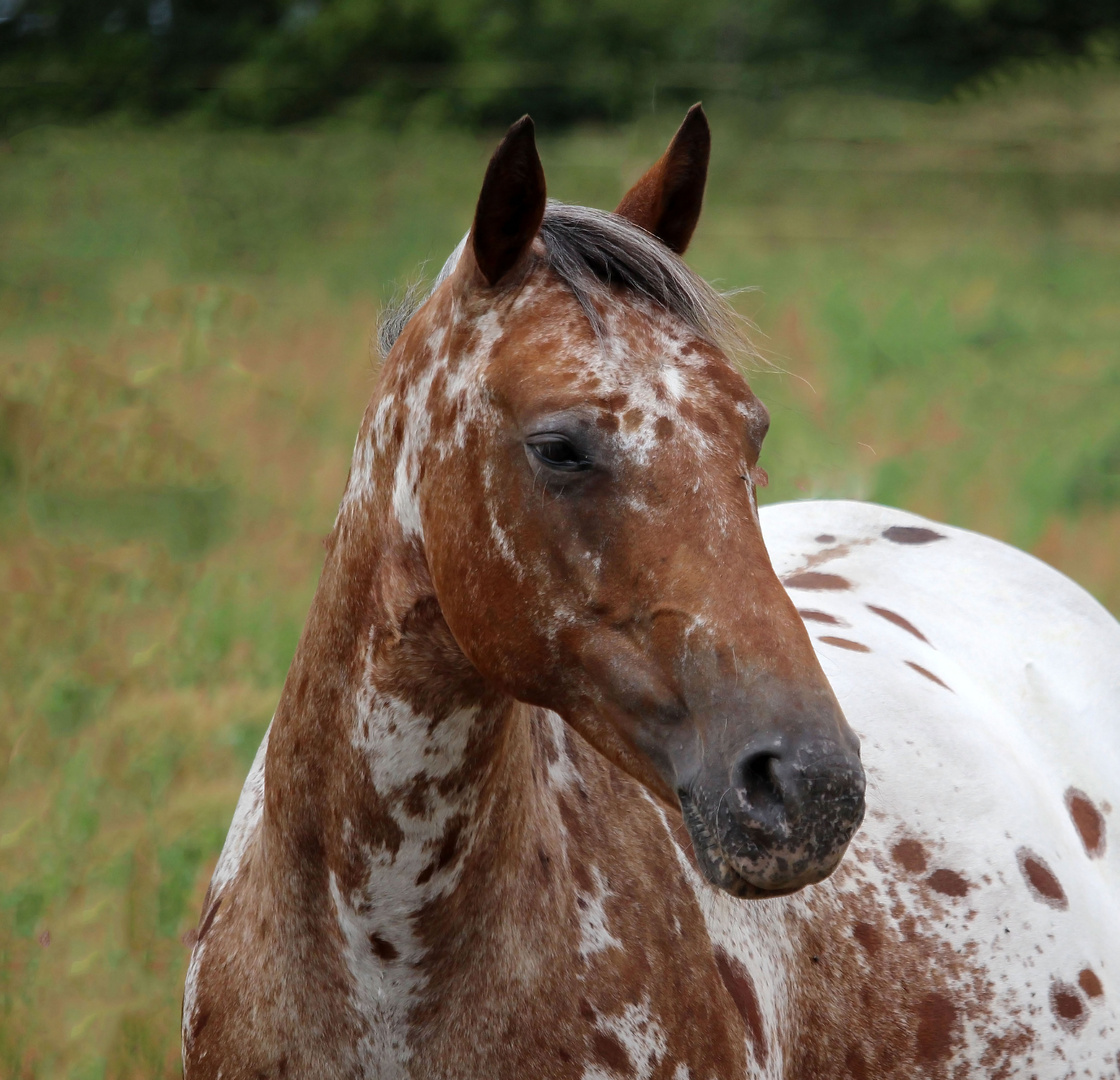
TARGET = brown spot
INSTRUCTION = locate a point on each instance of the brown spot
(948, 882)
(813, 579)
(844, 643)
(663, 428)
(632, 419)
(741, 988)
(449, 848)
(911, 534)
(201, 1019)
(1088, 981)
(826, 538)
(45, 938)
(928, 674)
(1040, 879)
(611, 1053)
(910, 855)
(856, 1066)
(1067, 1006)
(898, 620)
(867, 936)
(819, 616)
(385, 950)
(1088, 820)
(937, 1017)
(208, 918)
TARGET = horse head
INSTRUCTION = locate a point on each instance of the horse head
(575, 457)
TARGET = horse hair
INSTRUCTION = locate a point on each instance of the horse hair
(591, 251)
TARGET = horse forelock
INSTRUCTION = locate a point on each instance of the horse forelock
(591, 250)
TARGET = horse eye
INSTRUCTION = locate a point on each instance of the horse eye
(557, 452)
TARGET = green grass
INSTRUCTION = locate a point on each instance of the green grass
(185, 320)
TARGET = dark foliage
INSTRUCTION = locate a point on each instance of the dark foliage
(277, 61)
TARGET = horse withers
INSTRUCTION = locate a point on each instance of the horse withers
(556, 741)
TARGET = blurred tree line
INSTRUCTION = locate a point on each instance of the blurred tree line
(477, 61)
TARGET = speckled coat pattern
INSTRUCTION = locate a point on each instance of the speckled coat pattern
(460, 851)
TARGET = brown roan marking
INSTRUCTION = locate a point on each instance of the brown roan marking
(937, 1017)
(1088, 821)
(928, 674)
(898, 620)
(867, 936)
(910, 855)
(911, 534)
(1088, 981)
(844, 643)
(1067, 1006)
(741, 988)
(819, 616)
(1044, 885)
(814, 579)
(948, 883)
(383, 949)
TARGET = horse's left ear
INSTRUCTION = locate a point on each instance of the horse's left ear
(667, 200)
(511, 204)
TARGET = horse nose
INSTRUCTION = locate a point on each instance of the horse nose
(777, 782)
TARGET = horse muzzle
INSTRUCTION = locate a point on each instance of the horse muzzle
(781, 818)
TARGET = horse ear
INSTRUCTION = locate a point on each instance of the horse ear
(666, 201)
(511, 204)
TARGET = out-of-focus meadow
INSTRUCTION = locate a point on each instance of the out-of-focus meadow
(185, 327)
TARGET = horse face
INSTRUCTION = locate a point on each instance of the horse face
(593, 539)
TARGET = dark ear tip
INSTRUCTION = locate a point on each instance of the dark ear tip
(696, 121)
(519, 129)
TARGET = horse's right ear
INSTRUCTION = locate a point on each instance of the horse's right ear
(511, 205)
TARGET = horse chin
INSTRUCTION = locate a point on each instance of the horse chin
(746, 883)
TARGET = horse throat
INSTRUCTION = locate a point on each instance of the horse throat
(389, 759)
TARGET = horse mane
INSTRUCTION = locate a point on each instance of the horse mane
(591, 251)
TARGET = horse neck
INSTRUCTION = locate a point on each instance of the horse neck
(389, 759)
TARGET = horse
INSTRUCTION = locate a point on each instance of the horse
(587, 768)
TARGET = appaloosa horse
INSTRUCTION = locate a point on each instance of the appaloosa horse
(557, 746)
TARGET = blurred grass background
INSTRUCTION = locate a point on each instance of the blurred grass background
(185, 324)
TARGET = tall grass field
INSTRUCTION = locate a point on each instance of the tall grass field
(185, 352)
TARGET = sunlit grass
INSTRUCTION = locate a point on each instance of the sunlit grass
(185, 319)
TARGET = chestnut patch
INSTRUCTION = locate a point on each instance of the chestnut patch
(948, 883)
(1067, 1006)
(937, 1017)
(1041, 880)
(813, 579)
(741, 988)
(1088, 821)
(898, 620)
(844, 643)
(383, 949)
(910, 855)
(911, 534)
(1088, 981)
(928, 674)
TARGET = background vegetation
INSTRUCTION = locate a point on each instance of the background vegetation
(185, 317)
(275, 61)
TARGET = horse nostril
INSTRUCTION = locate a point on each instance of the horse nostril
(758, 780)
